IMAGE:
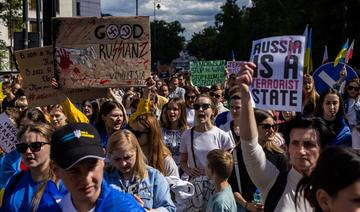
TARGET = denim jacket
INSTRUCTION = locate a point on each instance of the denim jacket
(153, 190)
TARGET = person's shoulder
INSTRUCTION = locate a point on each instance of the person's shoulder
(115, 200)
(186, 132)
(152, 171)
(219, 131)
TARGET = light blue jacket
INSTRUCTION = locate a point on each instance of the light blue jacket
(153, 190)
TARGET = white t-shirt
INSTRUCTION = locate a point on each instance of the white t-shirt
(67, 205)
(171, 167)
(190, 116)
(204, 142)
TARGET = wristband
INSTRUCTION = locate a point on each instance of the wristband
(246, 203)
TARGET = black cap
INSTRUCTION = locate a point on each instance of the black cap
(74, 142)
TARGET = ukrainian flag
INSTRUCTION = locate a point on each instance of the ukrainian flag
(308, 65)
(342, 54)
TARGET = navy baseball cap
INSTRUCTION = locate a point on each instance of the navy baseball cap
(75, 142)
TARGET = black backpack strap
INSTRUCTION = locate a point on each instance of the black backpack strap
(276, 192)
(14, 180)
(192, 145)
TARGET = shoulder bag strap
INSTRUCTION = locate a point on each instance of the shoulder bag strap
(276, 192)
(192, 145)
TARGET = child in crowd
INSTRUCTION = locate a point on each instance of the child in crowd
(219, 168)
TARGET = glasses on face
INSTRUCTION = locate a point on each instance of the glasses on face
(215, 95)
(203, 106)
(138, 133)
(269, 126)
(352, 88)
(34, 147)
(190, 97)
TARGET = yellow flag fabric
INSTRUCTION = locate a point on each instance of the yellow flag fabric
(342, 54)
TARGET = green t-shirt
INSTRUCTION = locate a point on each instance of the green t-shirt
(222, 201)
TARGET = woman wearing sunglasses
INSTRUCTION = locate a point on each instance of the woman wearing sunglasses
(129, 173)
(352, 102)
(217, 92)
(147, 130)
(267, 129)
(198, 141)
(35, 189)
(191, 95)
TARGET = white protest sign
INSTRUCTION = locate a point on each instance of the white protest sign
(233, 67)
(8, 133)
(278, 76)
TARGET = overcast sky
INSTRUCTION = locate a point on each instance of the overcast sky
(193, 15)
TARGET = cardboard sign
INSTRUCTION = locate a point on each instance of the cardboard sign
(278, 77)
(207, 73)
(37, 68)
(102, 52)
(8, 132)
(233, 67)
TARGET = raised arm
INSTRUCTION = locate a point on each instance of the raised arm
(261, 171)
(248, 123)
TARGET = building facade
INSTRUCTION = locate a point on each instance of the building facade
(64, 8)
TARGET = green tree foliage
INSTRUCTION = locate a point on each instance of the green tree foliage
(204, 44)
(332, 22)
(10, 15)
(166, 41)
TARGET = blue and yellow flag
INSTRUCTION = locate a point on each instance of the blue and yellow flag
(308, 65)
(342, 54)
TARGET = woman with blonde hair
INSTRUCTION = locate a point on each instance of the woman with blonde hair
(129, 173)
(310, 96)
(35, 189)
(148, 132)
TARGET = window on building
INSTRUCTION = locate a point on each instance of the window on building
(78, 9)
(32, 4)
(33, 26)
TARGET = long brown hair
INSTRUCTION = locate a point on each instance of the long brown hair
(125, 136)
(46, 131)
(164, 119)
(156, 144)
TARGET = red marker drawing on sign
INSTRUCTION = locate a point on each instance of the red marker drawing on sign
(103, 81)
(76, 70)
(65, 61)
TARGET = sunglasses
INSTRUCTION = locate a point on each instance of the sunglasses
(34, 147)
(203, 106)
(215, 95)
(352, 88)
(268, 126)
(190, 97)
(138, 133)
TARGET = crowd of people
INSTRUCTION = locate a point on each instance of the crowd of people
(172, 146)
